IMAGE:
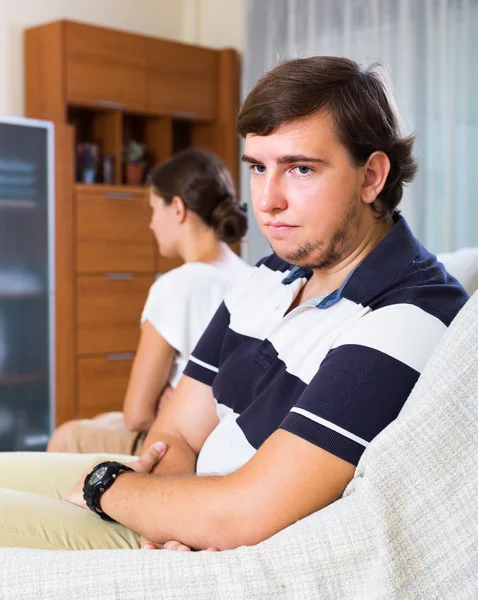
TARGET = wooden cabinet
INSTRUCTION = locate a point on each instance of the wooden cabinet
(102, 382)
(104, 67)
(97, 79)
(109, 309)
(112, 87)
(112, 231)
(172, 71)
(116, 260)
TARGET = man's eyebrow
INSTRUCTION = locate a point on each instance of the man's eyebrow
(249, 159)
(287, 159)
(296, 158)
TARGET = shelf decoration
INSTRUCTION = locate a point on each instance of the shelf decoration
(87, 157)
(134, 162)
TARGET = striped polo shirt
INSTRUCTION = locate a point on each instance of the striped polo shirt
(334, 371)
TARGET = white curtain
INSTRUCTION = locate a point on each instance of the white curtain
(428, 47)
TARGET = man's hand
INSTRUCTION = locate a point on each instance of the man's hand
(172, 545)
(145, 464)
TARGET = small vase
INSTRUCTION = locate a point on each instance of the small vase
(134, 173)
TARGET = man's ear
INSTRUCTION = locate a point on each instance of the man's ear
(179, 208)
(375, 173)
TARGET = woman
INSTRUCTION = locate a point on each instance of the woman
(195, 216)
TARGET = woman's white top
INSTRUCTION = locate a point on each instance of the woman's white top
(181, 303)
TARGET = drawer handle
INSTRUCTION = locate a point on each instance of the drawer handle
(108, 104)
(119, 196)
(120, 356)
(119, 276)
(182, 114)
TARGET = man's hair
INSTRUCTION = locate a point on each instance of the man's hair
(359, 102)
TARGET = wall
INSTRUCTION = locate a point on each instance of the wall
(216, 23)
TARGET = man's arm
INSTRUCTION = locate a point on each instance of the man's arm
(287, 479)
(184, 424)
(359, 389)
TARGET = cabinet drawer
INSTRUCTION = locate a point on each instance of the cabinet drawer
(181, 79)
(112, 232)
(108, 312)
(102, 383)
(105, 67)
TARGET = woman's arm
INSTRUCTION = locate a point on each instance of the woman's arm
(149, 375)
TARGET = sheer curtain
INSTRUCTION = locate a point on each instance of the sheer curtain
(427, 47)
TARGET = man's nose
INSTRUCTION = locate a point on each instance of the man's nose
(271, 196)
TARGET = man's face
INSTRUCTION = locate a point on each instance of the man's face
(306, 192)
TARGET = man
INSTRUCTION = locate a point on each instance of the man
(309, 359)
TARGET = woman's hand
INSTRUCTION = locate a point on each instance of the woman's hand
(145, 464)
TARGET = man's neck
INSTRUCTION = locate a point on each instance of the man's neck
(326, 280)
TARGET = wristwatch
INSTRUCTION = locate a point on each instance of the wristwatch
(98, 481)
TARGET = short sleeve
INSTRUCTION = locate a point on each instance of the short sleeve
(203, 363)
(355, 394)
(181, 303)
(364, 380)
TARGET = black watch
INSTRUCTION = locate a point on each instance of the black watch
(98, 481)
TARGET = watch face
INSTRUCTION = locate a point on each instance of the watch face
(97, 475)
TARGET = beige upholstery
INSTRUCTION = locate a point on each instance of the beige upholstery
(463, 264)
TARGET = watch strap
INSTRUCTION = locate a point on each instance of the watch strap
(93, 493)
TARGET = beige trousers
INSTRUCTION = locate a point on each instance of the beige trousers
(106, 434)
(33, 513)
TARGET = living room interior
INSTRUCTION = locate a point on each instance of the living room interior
(96, 95)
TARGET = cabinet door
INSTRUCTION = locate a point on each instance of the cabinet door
(105, 67)
(181, 79)
(102, 383)
(112, 231)
(109, 310)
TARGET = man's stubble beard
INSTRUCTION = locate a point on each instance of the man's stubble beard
(318, 255)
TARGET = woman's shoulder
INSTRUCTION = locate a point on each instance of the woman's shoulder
(188, 275)
(198, 275)
(174, 288)
(233, 268)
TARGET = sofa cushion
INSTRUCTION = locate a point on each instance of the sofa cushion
(463, 265)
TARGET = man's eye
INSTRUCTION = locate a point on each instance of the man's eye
(258, 169)
(302, 170)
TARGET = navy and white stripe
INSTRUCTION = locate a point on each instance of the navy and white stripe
(334, 372)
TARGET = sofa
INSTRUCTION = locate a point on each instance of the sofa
(405, 528)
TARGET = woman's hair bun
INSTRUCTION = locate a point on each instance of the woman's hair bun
(229, 220)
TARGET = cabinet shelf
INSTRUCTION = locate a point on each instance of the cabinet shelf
(105, 188)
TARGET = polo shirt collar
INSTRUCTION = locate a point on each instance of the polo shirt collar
(381, 268)
(384, 265)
